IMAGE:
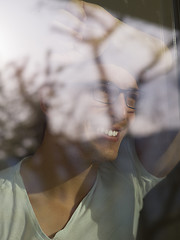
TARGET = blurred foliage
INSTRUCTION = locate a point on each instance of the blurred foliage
(160, 217)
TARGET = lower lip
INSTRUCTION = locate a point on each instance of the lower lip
(111, 139)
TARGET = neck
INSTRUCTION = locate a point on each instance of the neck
(60, 168)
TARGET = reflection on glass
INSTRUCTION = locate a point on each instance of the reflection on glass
(78, 88)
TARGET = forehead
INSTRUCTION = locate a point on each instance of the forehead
(118, 75)
(95, 73)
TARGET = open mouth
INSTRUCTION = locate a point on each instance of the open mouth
(109, 133)
(112, 133)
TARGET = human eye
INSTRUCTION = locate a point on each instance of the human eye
(131, 98)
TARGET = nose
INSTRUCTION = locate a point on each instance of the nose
(119, 108)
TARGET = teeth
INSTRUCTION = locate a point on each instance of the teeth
(110, 133)
(106, 131)
(115, 133)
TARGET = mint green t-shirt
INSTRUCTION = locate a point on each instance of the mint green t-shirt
(110, 211)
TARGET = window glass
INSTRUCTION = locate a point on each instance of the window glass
(89, 119)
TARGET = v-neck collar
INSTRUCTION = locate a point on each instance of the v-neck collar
(32, 214)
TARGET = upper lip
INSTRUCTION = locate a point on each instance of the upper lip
(114, 127)
(119, 127)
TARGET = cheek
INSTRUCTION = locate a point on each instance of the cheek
(130, 115)
(97, 117)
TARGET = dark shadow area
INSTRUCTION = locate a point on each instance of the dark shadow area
(160, 218)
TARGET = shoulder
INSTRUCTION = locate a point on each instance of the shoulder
(7, 177)
(130, 166)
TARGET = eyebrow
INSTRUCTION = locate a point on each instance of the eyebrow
(101, 81)
(133, 89)
(110, 82)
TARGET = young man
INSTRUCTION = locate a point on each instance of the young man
(85, 180)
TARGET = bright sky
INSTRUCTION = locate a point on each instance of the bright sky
(24, 30)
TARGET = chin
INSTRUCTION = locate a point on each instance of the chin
(107, 154)
(110, 156)
(107, 151)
